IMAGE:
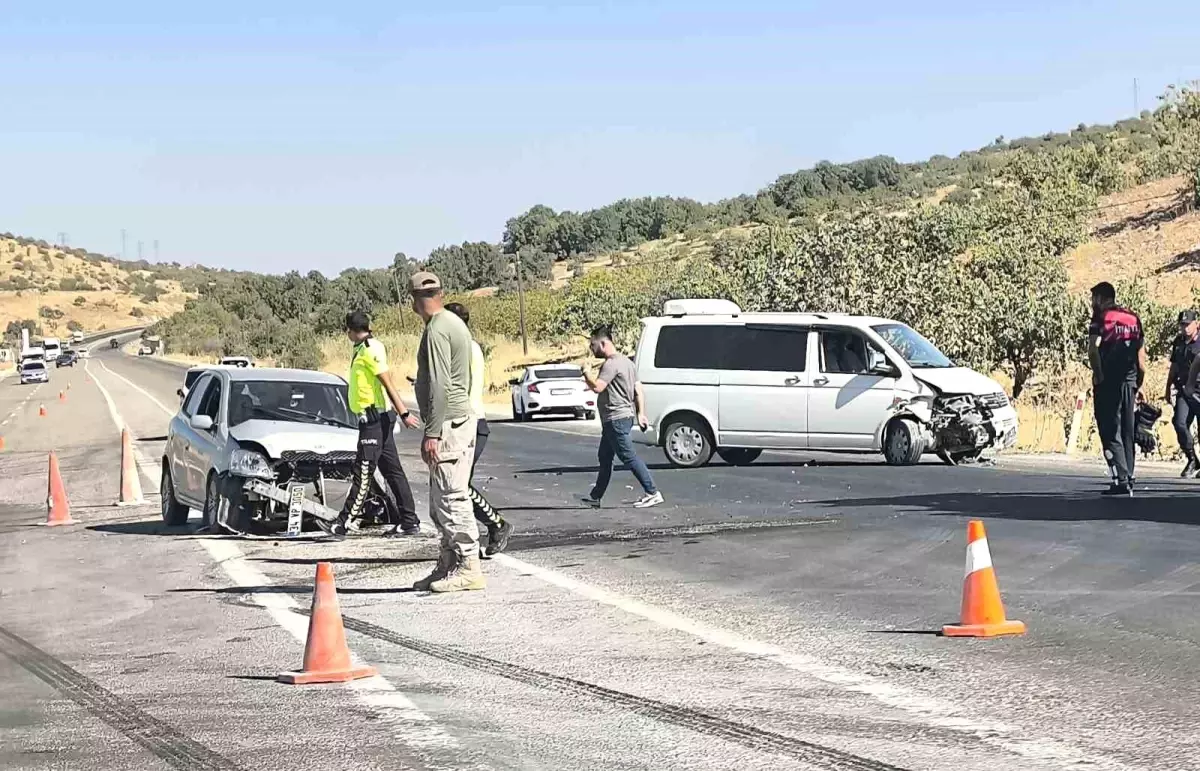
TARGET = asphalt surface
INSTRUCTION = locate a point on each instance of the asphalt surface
(781, 615)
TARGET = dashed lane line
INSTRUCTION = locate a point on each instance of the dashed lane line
(21, 406)
(391, 707)
(932, 711)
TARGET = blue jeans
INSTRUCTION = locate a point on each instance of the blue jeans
(615, 441)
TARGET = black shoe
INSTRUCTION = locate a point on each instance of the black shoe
(1191, 469)
(498, 538)
(334, 528)
(1120, 489)
(399, 532)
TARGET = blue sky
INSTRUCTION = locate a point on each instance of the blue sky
(298, 135)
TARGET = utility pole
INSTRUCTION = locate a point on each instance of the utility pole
(62, 240)
(521, 305)
(139, 251)
(156, 250)
(122, 243)
(1136, 104)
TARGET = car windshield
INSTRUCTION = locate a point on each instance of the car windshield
(320, 403)
(558, 373)
(916, 350)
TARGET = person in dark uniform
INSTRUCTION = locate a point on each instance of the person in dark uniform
(498, 528)
(370, 388)
(1118, 357)
(1183, 353)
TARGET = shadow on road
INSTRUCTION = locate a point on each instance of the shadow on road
(293, 589)
(342, 560)
(1169, 504)
(661, 466)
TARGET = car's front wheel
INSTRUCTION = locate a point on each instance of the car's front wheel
(903, 443)
(174, 513)
(687, 443)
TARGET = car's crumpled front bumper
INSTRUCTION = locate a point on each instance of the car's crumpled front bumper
(282, 495)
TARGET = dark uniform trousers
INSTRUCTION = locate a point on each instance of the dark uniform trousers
(1116, 421)
(484, 512)
(377, 448)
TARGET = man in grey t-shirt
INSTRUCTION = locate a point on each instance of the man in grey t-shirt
(620, 403)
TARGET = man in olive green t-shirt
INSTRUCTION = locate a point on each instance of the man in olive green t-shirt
(443, 389)
(369, 388)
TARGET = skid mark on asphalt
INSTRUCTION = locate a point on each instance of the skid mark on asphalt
(548, 539)
(151, 733)
(753, 738)
(407, 722)
(932, 711)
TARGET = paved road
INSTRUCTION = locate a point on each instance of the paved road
(775, 616)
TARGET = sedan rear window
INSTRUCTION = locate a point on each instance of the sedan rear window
(32, 366)
(558, 373)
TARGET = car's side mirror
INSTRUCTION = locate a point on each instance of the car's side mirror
(514, 381)
(182, 393)
(877, 364)
(201, 422)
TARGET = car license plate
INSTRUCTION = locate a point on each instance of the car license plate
(560, 391)
(295, 509)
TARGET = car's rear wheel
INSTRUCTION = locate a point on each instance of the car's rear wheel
(738, 456)
(174, 513)
(903, 443)
(687, 442)
(518, 415)
(589, 415)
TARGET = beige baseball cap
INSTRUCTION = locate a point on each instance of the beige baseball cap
(423, 281)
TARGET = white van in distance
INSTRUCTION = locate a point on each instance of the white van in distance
(52, 348)
(719, 380)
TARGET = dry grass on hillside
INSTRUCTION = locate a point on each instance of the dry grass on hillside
(1147, 233)
(104, 307)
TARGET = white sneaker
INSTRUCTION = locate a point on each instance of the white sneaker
(648, 500)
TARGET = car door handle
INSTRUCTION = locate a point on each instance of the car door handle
(820, 381)
(791, 380)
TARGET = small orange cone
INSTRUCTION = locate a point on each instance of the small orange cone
(62, 396)
(131, 485)
(982, 611)
(41, 410)
(326, 657)
(58, 508)
(1, 444)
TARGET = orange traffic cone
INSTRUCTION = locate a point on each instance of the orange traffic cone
(982, 611)
(62, 396)
(58, 508)
(1, 444)
(131, 485)
(326, 657)
(41, 410)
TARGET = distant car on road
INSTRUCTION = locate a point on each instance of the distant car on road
(245, 437)
(236, 361)
(145, 350)
(113, 343)
(719, 380)
(66, 359)
(552, 389)
(34, 371)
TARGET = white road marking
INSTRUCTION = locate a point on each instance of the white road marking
(139, 389)
(407, 722)
(24, 401)
(932, 711)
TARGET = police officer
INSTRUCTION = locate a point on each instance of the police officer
(370, 379)
(498, 528)
(1118, 358)
(1183, 353)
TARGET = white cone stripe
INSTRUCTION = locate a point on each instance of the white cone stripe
(978, 556)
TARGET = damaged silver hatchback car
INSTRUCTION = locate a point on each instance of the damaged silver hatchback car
(250, 446)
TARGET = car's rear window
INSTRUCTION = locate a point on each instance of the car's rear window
(749, 347)
(32, 366)
(558, 373)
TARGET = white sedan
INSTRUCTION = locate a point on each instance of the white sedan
(552, 389)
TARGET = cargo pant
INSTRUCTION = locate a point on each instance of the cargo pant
(449, 489)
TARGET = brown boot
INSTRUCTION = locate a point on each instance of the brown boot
(465, 576)
(446, 561)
